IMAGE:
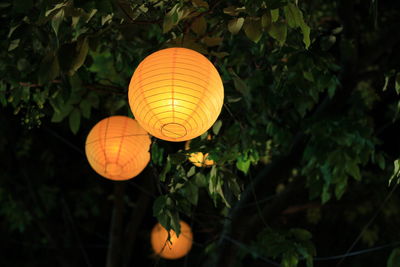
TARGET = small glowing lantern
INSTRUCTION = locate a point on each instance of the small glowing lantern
(176, 94)
(177, 248)
(117, 148)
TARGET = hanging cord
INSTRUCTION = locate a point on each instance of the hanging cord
(78, 238)
(367, 224)
(355, 253)
(256, 200)
(65, 141)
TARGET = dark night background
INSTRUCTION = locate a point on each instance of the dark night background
(308, 142)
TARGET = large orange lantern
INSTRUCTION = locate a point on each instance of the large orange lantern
(176, 94)
(117, 148)
(177, 248)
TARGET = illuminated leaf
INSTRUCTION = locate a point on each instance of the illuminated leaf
(234, 25)
(252, 28)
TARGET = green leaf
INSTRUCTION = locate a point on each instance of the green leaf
(326, 195)
(306, 35)
(56, 8)
(234, 187)
(381, 161)
(295, 19)
(191, 192)
(216, 127)
(266, 20)
(157, 154)
(57, 19)
(234, 25)
(191, 171)
(293, 15)
(241, 87)
(353, 169)
(252, 28)
(243, 164)
(60, 112)
(274, 15)
(397, 83)
(394, 258)
(170, 19)
(199, 26)
(166, 169)
(49, 68)
(159, 205)
(85, 108)
(396, 171)
(386, 83)
(289, 259)
(340, 187)
(175, 225)
(301, 234)
(82, 49)
(199, 179)
(74, 120)
(278, 31)
(177, 158)
(13, 44)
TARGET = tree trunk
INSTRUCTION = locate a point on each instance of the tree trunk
(114, 246)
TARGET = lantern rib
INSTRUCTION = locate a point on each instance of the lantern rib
(105, 139)
(207, 83)
(141, 85)
(178, 118)
(164, 85)
(122, 140)
(175, 111)
(200, 101)
(119, 136)
(148, 90)
(180, 68)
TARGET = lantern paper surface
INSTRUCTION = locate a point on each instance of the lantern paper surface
(177, 248)
(117, 148)
(176, 94)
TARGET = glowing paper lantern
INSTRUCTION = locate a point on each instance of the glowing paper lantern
(176, 94)
(177, 248)
(117, 148)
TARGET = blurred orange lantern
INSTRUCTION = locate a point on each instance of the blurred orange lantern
(117, 148)
(176, 94)
(200, 160)
(177, 248)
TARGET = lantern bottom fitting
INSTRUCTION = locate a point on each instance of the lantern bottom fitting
(113, 169)
(173, 130)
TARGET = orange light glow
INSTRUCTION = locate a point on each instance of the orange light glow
(200, 160)
(177, 248)
(176, 94)
(117, 148)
